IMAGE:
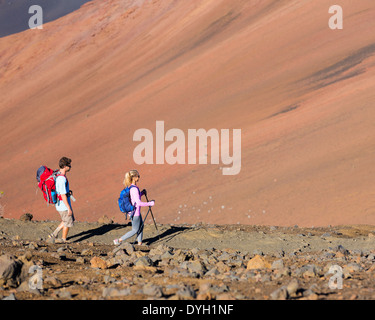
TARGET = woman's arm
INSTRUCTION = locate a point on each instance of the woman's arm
(136, 199)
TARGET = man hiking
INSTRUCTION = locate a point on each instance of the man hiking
(63, 204)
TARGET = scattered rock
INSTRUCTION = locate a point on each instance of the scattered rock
(152, 290)
(114, 292)
(164, 272)
(292, 288)
(126, 246)
(279, 294)
(326, 235)
(64, 294)
(278, 264)
(352, 267)
(196, 266)
(105, 220)
(310, 295)
(286, 292)
(186, 293)
(80, 260)
(309, 271)
(10, 270)
(143, 262)
(26, 217)
(52, 281)
(97, 262)
(212, 272)
(258, 262)
(87, 252)
(10, 297)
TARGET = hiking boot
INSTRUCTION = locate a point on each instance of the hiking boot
(62, 241)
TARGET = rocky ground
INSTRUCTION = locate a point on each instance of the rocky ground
(179, 262)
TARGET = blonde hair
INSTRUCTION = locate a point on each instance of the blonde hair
(129, 177)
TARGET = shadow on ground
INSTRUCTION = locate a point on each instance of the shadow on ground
(167, 235)
(85, 235)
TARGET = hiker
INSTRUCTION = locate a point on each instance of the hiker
(131, 179)
(63, 204)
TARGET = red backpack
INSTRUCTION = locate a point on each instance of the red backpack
(46, 182)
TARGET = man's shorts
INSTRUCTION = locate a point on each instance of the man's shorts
(67, 220)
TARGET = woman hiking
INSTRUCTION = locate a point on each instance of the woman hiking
(131, 179)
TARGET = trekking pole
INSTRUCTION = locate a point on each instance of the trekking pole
(143, 222)
(149, 208)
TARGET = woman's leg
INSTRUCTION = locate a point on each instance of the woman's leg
(136, 223)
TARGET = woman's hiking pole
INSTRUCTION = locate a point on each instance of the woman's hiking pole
(149, 208)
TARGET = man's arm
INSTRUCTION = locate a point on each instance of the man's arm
(64, 199)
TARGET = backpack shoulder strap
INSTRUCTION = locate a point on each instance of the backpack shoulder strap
(132, 186)
(57, 174)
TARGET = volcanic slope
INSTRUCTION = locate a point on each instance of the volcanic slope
(301, 93)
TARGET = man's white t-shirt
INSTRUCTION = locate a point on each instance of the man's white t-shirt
(62, 187)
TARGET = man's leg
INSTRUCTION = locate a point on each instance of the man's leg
(65, 233)
(57, 230)
(67, 222)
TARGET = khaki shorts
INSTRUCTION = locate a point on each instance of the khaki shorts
(67, 220)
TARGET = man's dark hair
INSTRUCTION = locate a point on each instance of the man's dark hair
(65, 162)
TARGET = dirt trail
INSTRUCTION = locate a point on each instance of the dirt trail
(205, 236)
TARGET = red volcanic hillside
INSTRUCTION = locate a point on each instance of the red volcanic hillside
(301, 93)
